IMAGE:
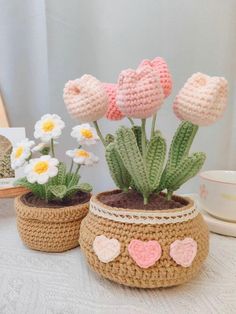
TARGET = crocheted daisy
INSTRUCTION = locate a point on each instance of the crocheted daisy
(41, 169)
(20, 153)
(82, 157)
(85, 134)
(48, 127)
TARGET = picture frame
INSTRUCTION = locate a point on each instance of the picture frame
(8, 138)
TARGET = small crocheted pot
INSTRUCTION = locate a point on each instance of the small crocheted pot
(49, 229)
(144, 248)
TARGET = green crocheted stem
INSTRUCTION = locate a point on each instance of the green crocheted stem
(155, 160)
(129, 152)
(185, 170)
(95, 123)
(154, 118)
(144, 138)
(117, 169)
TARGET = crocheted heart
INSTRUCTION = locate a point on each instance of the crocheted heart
(139, 93)
(145, 254)
(184, 251)
(106, 249)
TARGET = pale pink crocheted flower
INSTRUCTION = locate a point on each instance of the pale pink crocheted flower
(113, 112)
(85, 98)
(161, 67)
(202, 100)
(139, 93)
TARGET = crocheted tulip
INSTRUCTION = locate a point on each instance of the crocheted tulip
(85, 99)
(113, 112)
(161, 67)
(139, 93)
(202, 100)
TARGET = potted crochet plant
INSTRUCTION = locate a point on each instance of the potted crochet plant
(142, 234)
(49, 216)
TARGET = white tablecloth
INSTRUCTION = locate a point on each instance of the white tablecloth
(40, 283)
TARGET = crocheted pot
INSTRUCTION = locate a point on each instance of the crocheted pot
(144, 248)
(49, 229)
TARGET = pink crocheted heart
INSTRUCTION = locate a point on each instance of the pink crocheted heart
(113, 112)
(145, 254)
(139, 93)
(184, 251)
(161, 67)
(106, 249)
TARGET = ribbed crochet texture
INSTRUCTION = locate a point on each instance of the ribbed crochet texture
(123, 269)
(160, 66)
(85, 98)
(113, 112)
(202, 100)
(139, 92)
(49, 229)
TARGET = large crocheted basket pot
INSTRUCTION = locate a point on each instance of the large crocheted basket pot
(144, 248)
(49, 229)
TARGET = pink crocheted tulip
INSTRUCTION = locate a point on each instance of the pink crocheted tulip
(202, 100)
(161, 67)
(113, 112)
(139, 93)
(85, 99)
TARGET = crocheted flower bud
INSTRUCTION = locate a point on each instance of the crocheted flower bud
(161, 67)
(202, 100)
(139, 93)
(85, 99)
(113, 112)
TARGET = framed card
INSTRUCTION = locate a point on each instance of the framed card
(8, 138)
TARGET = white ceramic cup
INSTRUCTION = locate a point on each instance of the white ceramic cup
(217, 193)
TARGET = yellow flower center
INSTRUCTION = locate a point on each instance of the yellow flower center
(86, 133)
(82, 153)
(19, 151)
(48, 125)
(41, 167)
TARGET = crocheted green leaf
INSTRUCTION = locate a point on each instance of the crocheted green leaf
(129, 152)
(61, 175)
(59, 191)
(71, 191)
(35, 188)
(181, 144)
(155, 160)
(118, 172)
(109, 138)
(72, 179)
(138, 135)
(85, 187)
(185, 170)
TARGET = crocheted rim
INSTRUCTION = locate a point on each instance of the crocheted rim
(140, 216)
(61, 214)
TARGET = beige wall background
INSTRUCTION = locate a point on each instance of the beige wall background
(45, 43)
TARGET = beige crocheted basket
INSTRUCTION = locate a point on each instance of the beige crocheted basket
(164, 226)
(49, 229)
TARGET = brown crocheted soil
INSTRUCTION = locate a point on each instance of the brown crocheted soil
(134, 200)
(30, 199)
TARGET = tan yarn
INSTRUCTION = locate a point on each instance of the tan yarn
(49, 229)
(123, 269)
